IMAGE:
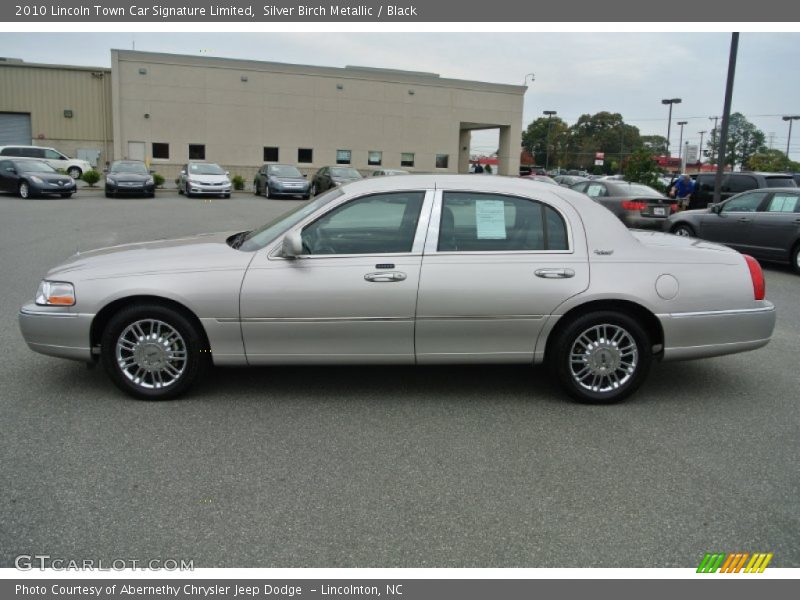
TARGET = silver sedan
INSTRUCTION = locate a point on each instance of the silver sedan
(407, 270)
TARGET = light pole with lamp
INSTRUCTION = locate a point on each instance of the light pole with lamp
(670, 101)
(680, 143)
(790, 118)
(700, 151)
(549, 114)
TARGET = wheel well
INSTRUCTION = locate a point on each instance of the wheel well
(684, 224)
(646, 319)
(102, 318)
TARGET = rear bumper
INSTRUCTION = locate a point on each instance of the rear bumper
(716, 333)
(61, 334)
(640, 222)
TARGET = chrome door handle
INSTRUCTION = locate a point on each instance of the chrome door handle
(382, 276)
(554, 273)
(744, 219)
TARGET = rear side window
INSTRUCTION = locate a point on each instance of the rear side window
(493, 223)
(774, 182)
(741, 183)
(705, 183)
(10, 152)
(784, 203)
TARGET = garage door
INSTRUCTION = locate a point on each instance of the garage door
(15, 128)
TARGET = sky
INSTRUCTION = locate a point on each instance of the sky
(574, 73)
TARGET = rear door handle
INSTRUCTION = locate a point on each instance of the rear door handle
(554, 273)
(384, 276)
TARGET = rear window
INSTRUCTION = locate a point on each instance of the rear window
(774, 182)
(635, 190)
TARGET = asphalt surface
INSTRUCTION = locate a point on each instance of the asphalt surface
(380, 467)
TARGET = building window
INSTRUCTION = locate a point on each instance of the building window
(270, 154)
(160, 150)
(442, 160)
(374, 157)
(197, 151)
(407, 159)
(305, 155)
(343, 157)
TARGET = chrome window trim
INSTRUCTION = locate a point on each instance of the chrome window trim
(432, 241)
(416, 247)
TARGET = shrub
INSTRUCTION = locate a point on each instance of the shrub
(238, 182)
(177, 182)
(91, 177)
(158, 179)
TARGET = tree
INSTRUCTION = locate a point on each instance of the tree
(534, 139)
(772, 161)
(744, 140)
(657, 144)
(641, 167)
(602, 132)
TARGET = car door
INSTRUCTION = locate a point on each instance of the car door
(8, 176)
(495, 266)
(776, 227)
(732, 225)
(351, 298)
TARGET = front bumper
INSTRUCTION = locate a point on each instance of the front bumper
(135, 188)
(199, 188)
(289, 191)
(54, 332)
(716, 333)
(52, 188)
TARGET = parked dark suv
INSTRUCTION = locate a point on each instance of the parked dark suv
(735, 183)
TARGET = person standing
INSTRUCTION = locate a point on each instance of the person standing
(682, 191)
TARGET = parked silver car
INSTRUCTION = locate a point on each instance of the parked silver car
(204, 179)
(421, 269)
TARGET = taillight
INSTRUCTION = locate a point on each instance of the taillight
(673, 207)
(757, 275)
(633, 205)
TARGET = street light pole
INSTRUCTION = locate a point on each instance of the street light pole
(670, 101)
(790, 118)
(700, 151)
(549, 114)
(680, 144)
(713, 137)
(726, 115)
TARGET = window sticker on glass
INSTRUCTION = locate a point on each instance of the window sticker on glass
(490, 219)
(782, 203)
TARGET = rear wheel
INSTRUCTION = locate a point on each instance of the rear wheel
(601, 357)
(74, 172)
(152, 352)
(683, 230)
(796, 258)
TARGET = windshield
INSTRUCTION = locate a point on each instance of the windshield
(345, 173)
(34, 166)
(284, 171)
(258, 238)
(780, 182)
(129, 167)
(205, 169)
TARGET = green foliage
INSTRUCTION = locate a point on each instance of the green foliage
(158, 179)
(534, 139)
(177, 181)
(657, 144)
(238, 182)
(642, 168)
(772, 161)
(91, 177)
(487, 169)
(744, 140)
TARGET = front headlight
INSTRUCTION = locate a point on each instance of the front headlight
(55, 293)
(36, 179)
(111, 180)
(149, 181)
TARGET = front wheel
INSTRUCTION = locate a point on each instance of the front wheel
(66, 195)
(153, 352)
(24, 190)
(313, 189)
(683, 230)
(796, 258)
(187, 192)
(601, 357)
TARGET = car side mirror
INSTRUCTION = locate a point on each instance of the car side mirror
(183, 171)
(152, 171)
(227, 173)
(11, 170)
(292, 246)
(305, 175)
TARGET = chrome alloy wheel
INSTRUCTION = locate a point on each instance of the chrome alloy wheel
(603, 358)
(151, 354)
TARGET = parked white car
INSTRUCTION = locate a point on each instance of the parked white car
(204, 179)
(74, 167)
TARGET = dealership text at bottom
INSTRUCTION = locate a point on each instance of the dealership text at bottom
(204, 591)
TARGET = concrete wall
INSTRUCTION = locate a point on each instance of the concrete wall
(46, 91)
(237, 107)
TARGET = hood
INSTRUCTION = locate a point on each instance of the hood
(64, 180)
(205, 252)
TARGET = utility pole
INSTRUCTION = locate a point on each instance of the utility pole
(726, 114)
(680, 143)
(713, 137)
(790, 118)
(549, 114)
(700, 151)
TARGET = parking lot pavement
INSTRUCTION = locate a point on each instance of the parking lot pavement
(380, 467)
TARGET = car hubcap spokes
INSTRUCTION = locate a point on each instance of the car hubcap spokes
(603, 358)
(151, 354)
(682, 232)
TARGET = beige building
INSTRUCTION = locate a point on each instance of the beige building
(239, 113)
(64, 107)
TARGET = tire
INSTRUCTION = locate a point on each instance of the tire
(66, 195)
(226, 195)
(268, 192)
(585, 357)
(180, 190)
(306, 196)
(795, 256)
(313, 191)
(153, 352)
(683, 230)
(187, 192)
(74, 172)
(256, 191)
(24, 190)
(109, 194)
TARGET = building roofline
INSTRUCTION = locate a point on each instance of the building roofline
(15, 62)
(349, 72)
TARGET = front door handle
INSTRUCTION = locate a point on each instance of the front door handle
(744, 219)
(383, 276)
(554, 273)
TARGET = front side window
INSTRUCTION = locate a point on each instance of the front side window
(407, 159)
(197, 151)
(378, 224)
(744, 203)
(784, 203)
(472, 222)
(53, 155)
(374, 157)
(343, 157)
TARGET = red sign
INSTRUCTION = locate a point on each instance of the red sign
(599, 155)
